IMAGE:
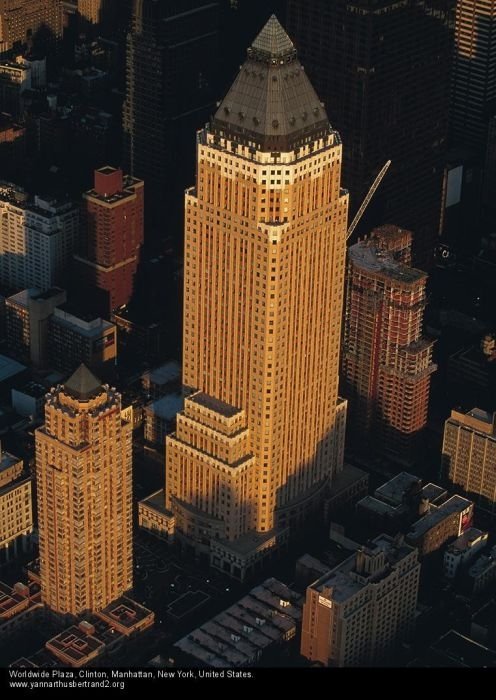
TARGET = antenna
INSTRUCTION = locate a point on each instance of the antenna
(367, 199)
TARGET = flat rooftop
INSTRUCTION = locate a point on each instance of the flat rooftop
(379, 507)
(125, 612)
(213, 404)
(75, 644)
(7, 460)
(344, 581)
(483, 563)
(9, 368)
(33, 389)
(169, 372)
(368, 256)
(90, 326)
(166, 407)
(395, 490)
(348, 476)
(455, 504)
(467, 540)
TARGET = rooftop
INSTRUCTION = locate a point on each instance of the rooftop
(9, 368)
(126, 614)
(164, 374)
(379, 507)
(483, 563)
(369, 256)
(455, 504)
(236, 637)
(344, 581)
(86, 324)
(33, 389)
(166, 407)
(7, 460)
(271, 101)
(467, 540)
(213, 404)
(395, 490)
(83, 384)
(76, 645)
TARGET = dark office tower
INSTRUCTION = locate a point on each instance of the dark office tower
(172, 60)
(381, 67)
(474, 72)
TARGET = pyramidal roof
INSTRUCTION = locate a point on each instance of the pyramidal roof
(271, 102)
(273, 40)
(83, 384)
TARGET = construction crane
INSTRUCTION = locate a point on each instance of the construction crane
(367, 199)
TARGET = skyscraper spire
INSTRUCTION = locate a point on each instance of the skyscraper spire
(273, 41)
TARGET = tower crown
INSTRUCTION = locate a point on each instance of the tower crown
(83, 385)
(271, 105)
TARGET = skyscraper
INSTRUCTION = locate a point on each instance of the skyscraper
(84, 486)
(172, 59)
(265, 243)
(386, 362)
(111, 238)
(474, 73)
(381, 68)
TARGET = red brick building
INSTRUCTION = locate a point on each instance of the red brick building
(387, 363)
(111, 238)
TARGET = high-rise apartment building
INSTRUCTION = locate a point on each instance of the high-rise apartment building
(265, 243)
(84, 488)
(386, 361)
(469, 455)
(16, 507)
(356, 614)
(172, 65)
(381, 67)
(473, 85)
(37, 238)
(20, 20)
(112, 230)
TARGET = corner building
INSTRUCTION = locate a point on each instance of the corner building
(84, 485)
(260, 436)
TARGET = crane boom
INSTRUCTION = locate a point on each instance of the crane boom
(367, 199)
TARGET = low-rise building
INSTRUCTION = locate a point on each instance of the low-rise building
(441, 524)
(245, 634)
